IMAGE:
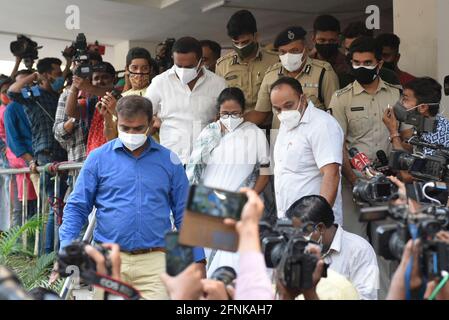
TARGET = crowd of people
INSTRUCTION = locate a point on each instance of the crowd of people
(278, 121)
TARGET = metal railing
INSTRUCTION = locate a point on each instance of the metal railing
(43, 205)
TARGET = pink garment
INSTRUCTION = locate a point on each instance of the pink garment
(15, 162)
(252, 281)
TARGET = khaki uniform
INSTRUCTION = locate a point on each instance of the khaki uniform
(318, 79)
(247, 76)
(360, 115)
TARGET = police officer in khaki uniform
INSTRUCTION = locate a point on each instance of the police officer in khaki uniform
(246, 65)
(359, 109)
(318, 79)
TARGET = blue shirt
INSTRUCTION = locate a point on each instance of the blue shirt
(133, 197)
(440, 136)
(41, 112)
(18, 130)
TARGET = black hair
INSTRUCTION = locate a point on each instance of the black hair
(232, 93)
(326, 23)
(132, 106)
(366, 44)
(188, 45)
(426, 90)
(213, 46)
(313, 209)
(106, 67)
(389, 40)
(292, 82)
(46, 64)
(357, 29)
(25, 72)
(241, 22)
(137, 53)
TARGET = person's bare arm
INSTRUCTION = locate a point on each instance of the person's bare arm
(16, 67)
(110, 130)
(256, 117)
(261, 183)
(330, 183)
(18, 85)
(71, 105)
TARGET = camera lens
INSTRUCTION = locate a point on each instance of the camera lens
(224, 274)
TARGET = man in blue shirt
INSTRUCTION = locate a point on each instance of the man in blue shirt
(134, 183)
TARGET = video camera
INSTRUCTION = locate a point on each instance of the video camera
(26, 49)
(164, 58)
(74, 255)
(284, 248)
(390, 240)
(84, 68)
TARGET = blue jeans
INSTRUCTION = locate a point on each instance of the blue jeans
(44, 159)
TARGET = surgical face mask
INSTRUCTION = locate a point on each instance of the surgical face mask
(401, 112)
(246, 50)
(327, 50)
(139, 80)
(230, 123)
(292, 61)
(290, 118)
(365, 75)
(132, 141)
(186, 75)
(57, 84)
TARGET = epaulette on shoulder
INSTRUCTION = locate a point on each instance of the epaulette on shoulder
(340, 92)
(274, 67)
(228, 56)
(396, 86)
(322, 64)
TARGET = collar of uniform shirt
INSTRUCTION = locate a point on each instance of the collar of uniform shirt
(336, 242)
(358, 88)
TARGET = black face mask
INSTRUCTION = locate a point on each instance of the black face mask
(328, 50)
(390, 65)
(364, 75)
(400, 112)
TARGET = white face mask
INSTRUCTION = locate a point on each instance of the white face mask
(230, 123)
(132, 141)
(290, 119)
(186, 75)
(292, 61)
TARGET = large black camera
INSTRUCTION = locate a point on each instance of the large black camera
(376, 190)
(84, 68)
(390, 240)
(75, 255)
(422, 167)
(26, 49)
(284, 248)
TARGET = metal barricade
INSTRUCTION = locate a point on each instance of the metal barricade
(43, 205)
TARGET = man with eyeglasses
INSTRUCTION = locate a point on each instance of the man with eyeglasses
(421, 96)
(308, 149)
(347, 253)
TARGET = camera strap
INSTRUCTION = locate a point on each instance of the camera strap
(112, 286)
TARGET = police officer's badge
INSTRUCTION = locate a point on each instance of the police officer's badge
(290, 35)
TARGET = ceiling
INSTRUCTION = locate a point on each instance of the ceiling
(114, 21)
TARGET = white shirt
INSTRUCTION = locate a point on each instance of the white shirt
(184, 113)
(300, 153)
(233, 160)
(353, 257)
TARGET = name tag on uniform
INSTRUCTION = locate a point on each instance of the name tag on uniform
(310, 85)
(231, 78)
(355, 109)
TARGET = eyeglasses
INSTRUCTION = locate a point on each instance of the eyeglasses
(234, 115)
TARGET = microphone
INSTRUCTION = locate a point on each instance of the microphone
(383, 159)
(359, 160)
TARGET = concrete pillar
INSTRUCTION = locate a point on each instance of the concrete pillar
(422, 27)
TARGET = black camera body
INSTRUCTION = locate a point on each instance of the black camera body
(284, 248)
(84, 68)
(376, 190)
(75, 255)
(26, 49)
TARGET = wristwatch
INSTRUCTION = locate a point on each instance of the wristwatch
(396, 135)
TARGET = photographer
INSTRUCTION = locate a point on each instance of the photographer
(421, 96)
(347, 253)
(76, 111)
(40, 105)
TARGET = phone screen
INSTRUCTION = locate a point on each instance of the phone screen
(215, 202)
(178, 257)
